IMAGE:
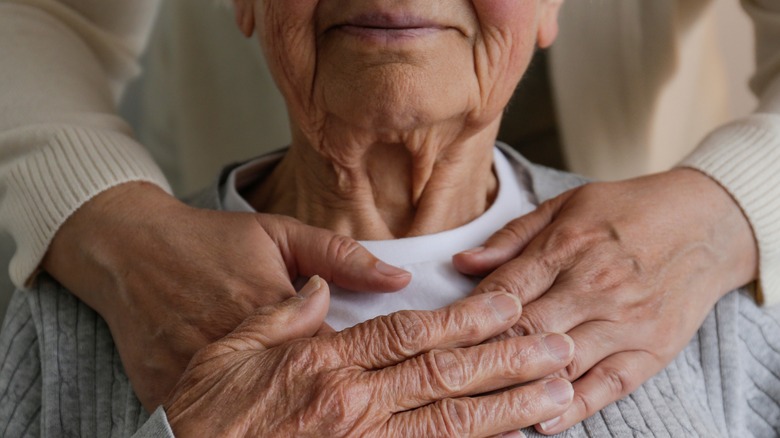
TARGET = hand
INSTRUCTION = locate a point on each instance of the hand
(406, 374)
(170, 279)
(628, 269)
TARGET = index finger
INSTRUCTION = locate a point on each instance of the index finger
(391, 339)
(528, 277)
(458, 372)
(510, 241)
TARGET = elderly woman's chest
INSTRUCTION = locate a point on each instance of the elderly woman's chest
(434, 284)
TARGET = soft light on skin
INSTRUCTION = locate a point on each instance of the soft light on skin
(392, 102)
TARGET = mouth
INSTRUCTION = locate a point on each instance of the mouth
(388, 26)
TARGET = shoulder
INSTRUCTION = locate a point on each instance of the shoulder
(544, 182)
(61, 356)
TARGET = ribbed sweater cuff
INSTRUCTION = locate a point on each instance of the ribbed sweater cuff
(44, 188)
(744, 157)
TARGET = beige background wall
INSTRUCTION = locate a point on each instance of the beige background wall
(735, 35)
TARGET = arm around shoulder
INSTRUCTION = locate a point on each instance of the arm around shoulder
(61, 140)
(744, 155)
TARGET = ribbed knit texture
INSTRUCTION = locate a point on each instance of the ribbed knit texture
(46, 187)
(744, 157)
(64, 66)
(60, 374)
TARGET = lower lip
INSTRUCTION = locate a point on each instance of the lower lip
(389, 34)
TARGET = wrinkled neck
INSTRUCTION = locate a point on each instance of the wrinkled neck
(373, 187)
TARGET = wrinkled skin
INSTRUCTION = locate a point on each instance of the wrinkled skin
(406, 374)
(385, 127)
(202, 273)
(169, 279)
(628, 269)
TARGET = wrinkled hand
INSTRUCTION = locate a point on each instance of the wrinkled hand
(170, 279)
(406, 374)
(628, 269)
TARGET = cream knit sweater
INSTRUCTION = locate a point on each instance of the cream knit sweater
(64, 65)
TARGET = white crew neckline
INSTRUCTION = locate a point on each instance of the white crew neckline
(511, 202)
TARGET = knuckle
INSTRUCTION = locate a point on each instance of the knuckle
(341, 248)
(530, 324)
(585, 404)
(515, 231)
(275, 224)
(513, 284)
(604, 278)
(617, 381)
(573, 370)
(612, 266)
(461, 320)
(564, 241)
(408, 331)
(456, 417)
(449, 372)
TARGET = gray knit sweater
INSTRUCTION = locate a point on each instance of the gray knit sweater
(60, 374)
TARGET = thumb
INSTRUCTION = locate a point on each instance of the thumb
(508, 242)
(270, 326)
(338, 259)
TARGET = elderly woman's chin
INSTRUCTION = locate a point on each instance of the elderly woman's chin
(401, 90)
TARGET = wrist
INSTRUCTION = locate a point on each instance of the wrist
(727, 225)
(85, 253)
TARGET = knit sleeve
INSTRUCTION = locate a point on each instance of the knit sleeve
(64, 66)
(744, 156)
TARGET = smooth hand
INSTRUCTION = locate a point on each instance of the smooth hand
(628, 269)
(170, 279)
(406, 374)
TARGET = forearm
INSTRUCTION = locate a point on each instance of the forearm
(744, 156)
(61, 141)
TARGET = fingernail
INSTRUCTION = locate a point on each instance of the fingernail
(474, 251)
(506, 306)
(549, 424)
(312, 286)
(558, 346)
(560, 391)
(390, 270)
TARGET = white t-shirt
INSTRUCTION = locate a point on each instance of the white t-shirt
(435, 282)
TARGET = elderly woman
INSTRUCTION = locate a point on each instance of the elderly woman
(395, 108)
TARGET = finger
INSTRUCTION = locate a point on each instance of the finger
(485, 416)
(558, 310)
(452, 373)
(339, 259)
(388, 340)
(508, 242)
(528, 277)
(270, 326)
(595, 341)
(611, 380)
